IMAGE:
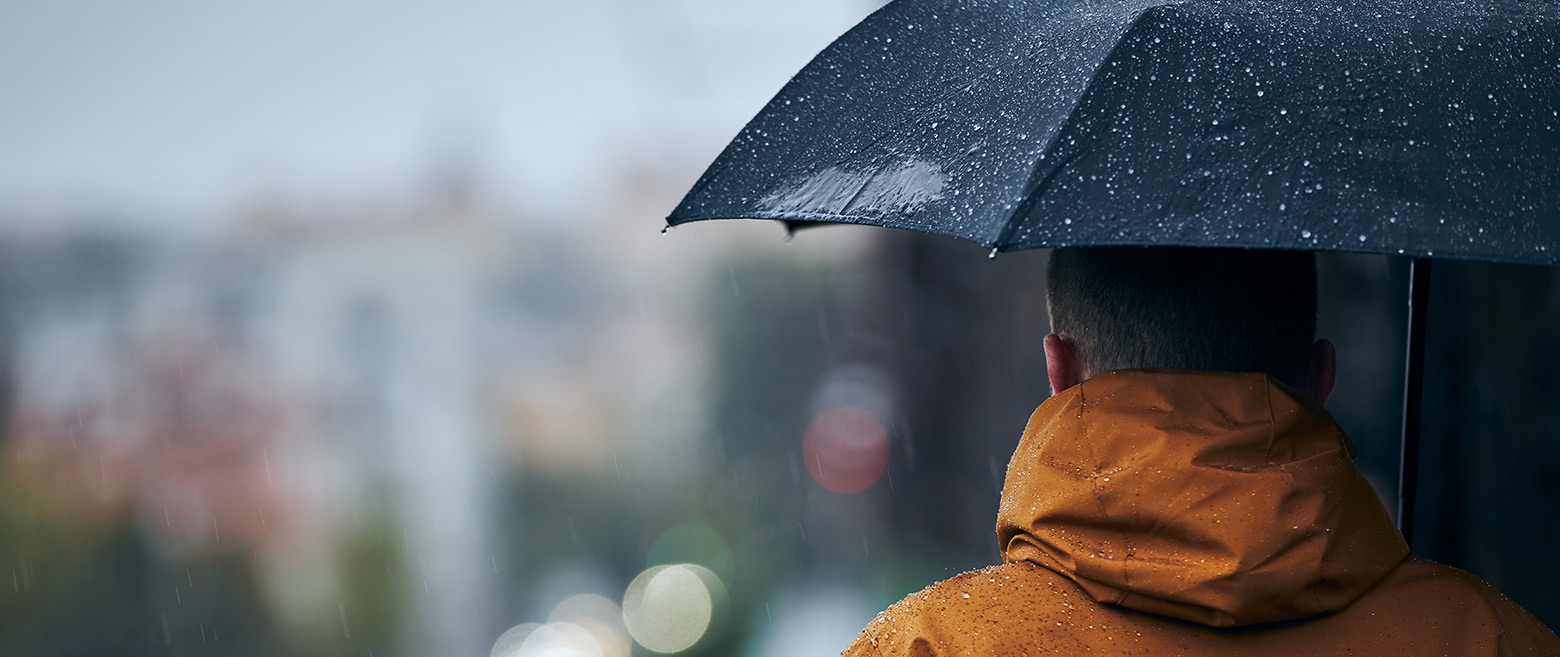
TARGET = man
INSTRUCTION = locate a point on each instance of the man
(1183, 491)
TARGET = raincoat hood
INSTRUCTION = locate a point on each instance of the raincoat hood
(1219, 498)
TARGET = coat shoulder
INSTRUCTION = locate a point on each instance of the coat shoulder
(1020, 608)
(972, 613)
(1445, 596)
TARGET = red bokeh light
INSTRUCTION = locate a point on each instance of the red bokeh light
(846, 449)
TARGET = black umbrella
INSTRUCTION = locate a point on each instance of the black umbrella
(1425, 129)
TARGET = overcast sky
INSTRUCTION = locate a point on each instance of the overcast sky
(160, 107)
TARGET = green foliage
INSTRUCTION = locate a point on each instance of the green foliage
(373, 594)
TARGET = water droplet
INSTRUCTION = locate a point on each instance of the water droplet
(1305, 234)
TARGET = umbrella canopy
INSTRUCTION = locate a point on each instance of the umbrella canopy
(1400, 127)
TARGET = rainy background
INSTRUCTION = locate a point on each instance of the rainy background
(348, 329)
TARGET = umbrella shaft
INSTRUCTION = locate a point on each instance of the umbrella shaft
(1413, 388)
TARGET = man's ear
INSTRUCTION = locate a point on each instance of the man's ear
(1062, 363)
(1322, 370)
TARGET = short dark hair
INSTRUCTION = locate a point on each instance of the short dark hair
(1235, 310)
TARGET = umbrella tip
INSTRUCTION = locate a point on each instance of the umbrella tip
(993, 254)
(666, 229)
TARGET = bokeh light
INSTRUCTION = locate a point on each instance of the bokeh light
(668, 608)
(550, 640)
(694, 543)
(508, 643)
(599, 616)
(846, 449)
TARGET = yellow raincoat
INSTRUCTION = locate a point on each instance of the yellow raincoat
(1178, 512)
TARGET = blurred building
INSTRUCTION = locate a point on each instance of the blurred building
(278, 388)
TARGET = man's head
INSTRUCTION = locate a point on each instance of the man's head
(1208, 309)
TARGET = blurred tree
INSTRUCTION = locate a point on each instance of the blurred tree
(85, 583)
(373, 595)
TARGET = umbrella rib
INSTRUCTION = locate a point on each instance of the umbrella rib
(1038, 186)
(1031, 198)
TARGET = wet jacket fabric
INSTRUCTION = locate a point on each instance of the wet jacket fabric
(1178, 512)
